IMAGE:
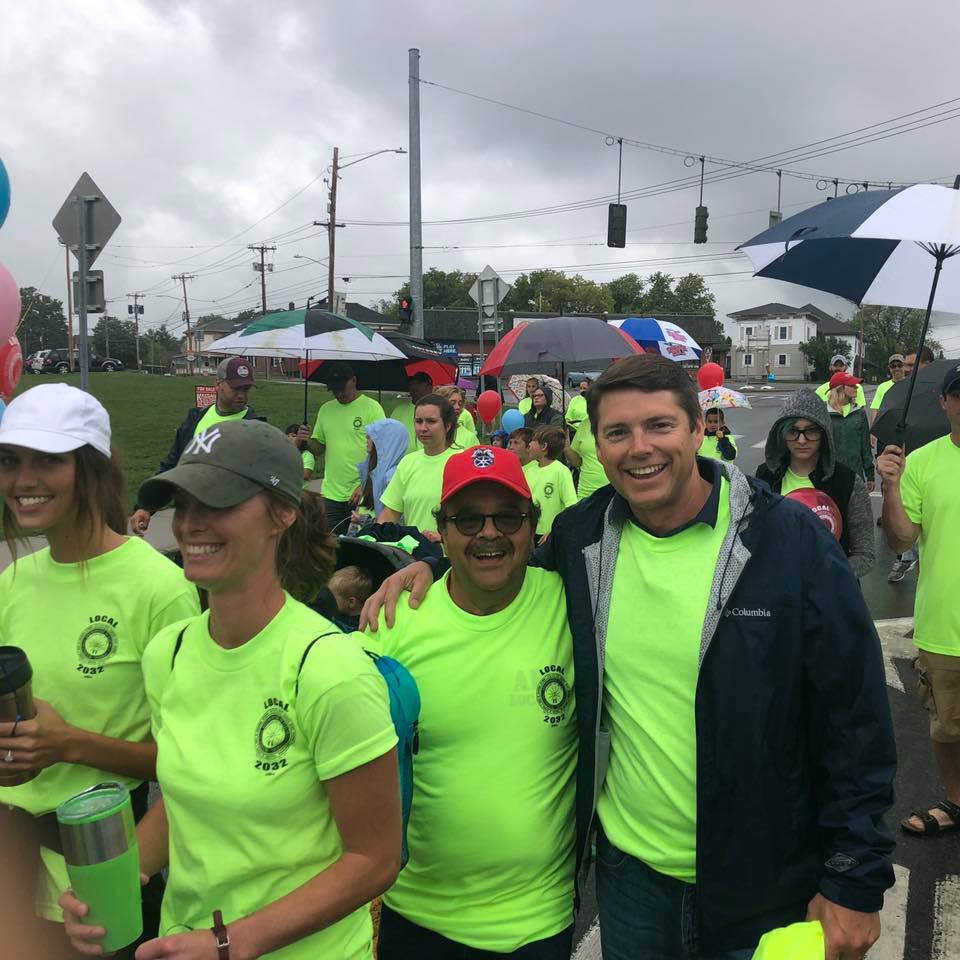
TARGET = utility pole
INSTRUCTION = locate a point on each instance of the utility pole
(137, 310)
(416, 226)
(332, 229)
(66, 251)
(262, 266)
(183, 278)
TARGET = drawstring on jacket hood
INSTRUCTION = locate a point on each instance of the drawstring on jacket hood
(801, 405)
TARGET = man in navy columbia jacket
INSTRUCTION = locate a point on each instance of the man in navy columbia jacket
(770, 689)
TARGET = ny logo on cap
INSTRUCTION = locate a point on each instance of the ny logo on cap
(483, 458)
(203, 442)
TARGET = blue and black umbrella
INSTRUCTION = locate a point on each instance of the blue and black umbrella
(892, 247)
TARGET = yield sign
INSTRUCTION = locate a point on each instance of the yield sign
(488, 290)
(103, 219)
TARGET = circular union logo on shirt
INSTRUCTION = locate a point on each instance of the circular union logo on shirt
(97, 643)
(548, 489)
(275, 734)
(553, 692)
(357, 423)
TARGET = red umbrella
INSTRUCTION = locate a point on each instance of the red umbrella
(531, 347)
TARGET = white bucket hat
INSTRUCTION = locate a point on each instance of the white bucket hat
(56, 418)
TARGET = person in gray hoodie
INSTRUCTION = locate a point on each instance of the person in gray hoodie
(800, 452)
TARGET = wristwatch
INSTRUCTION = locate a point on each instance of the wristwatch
(219, 932)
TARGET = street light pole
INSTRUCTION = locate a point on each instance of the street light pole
(416, 225)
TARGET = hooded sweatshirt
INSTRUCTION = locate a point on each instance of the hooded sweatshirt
(546, 417)
(851, 439)
(390, 438)
(838, 481)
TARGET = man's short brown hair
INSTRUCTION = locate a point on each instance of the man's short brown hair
(553, 438)
(649, 373)
(522, 433)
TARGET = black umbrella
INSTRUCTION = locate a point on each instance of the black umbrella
(925, 421)
(419, 356)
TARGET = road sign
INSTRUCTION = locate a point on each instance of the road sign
(103, 219)
(488, 290)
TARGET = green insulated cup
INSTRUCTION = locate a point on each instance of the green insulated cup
(103, 860)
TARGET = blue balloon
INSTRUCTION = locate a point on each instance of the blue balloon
(512, 420)
(4, 193)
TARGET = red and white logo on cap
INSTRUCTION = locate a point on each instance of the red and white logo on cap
(493, 464)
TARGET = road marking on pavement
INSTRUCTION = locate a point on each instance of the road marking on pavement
(589, 948)
(946, 912)
(893, 919)
(895, 645)
(758, 446)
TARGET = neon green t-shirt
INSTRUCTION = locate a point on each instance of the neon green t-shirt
(930, 491)
(592, 474)
(823, 391)
(793, 481)
(243, 756)
(577, 410)
(530, 469)
(404, 412)
(414, 489)
(552, 489)
(339, 427)
(466, 435)
(648, 803)
(212, 417)
(85, 632)
(525, 404)
(711, 448)
(881, 393)
(491, 831)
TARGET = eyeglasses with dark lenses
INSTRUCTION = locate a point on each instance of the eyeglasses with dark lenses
(808, 433)
(896, 365)
(470, 524)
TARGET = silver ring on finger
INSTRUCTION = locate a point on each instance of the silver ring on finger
(8, 756)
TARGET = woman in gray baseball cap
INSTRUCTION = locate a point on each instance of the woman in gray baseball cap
(280, 817)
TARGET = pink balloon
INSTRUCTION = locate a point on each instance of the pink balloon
(824, 508)
(710, 375)
(11, 366)
(488, 405)
(9, 304)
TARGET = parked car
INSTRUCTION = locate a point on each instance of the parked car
(58, 360)
(574, 377)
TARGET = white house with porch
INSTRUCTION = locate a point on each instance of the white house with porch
(767, 340)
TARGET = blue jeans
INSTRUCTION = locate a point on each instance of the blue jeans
(645, 915)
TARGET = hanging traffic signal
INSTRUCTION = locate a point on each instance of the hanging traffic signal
(700, 225)
(406, 309)
(617, 225)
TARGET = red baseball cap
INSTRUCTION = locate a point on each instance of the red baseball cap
(494, 464)
(844, 379)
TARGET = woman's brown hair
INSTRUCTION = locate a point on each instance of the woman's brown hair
(99, 494)
(307, 551)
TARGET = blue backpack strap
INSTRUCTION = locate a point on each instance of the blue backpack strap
(303, 659)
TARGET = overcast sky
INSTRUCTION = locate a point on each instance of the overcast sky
(198, 120)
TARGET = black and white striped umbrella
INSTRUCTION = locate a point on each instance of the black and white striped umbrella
(880, 247)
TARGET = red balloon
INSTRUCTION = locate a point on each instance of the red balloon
(823, 506)
(488, 405)
(710, 375)
(11, 365)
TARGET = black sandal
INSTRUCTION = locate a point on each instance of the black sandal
(931, 825)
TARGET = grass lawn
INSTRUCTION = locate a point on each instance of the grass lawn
(145, 411)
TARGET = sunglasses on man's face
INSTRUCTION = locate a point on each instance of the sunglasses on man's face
(470, 524)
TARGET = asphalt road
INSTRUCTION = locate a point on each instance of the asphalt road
(921, 919)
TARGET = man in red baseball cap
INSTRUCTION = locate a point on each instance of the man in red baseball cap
(491, 830)
(233, 385)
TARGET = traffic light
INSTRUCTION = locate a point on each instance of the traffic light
(617, 225)
(406, 309)
(700, 225)
(130, 308)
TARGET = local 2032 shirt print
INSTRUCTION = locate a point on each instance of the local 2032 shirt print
(243, 756)
(491, 830)
(85, 630)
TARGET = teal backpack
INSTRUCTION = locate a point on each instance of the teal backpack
(405, 713)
